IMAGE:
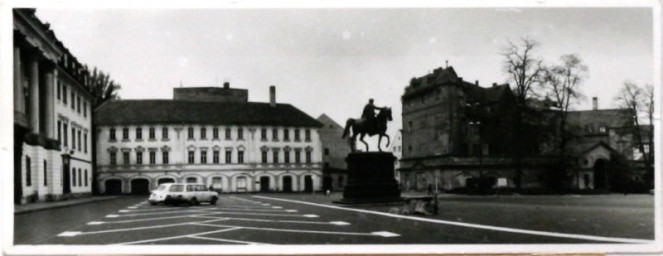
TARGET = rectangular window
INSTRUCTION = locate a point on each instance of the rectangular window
(215, 133)
(73, 177)
(164, 157)
(307, 135)
(297, 135)
(59, 85)
(275, 134)
(215, 156)
(308, 157)
(125, 157)
(190, 133)
(228, 137)
(111, 134)
(64, 94)
(66, 131)
(203, 133)
(275, 157)
(28, 172)
(113, 158)
(139, 133)
(263, 134)
(191, 156)
(84, 108)
(152, 133)
(45, 174)
(286, 135)
(326, 151)
(73, 100)
(59, 131)
(229, 155)
(78, 104)
(264, 157)
(240, 157)
(79, 141)
(153, 157)
(240, 133)
(298, 157)
(125, 133)
(139, 157)
(164, 133)
(85, 143)
(86, 177)
(286, 157)
(203, 157)
(80, 177)
(73, 138)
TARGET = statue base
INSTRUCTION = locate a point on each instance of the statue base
(370, 179)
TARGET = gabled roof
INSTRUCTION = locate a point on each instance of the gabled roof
(125, 112)
(328, 122)
(600, 144)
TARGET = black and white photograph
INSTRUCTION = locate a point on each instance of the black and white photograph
(292, 127)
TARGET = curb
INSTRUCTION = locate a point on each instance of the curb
(36, 209)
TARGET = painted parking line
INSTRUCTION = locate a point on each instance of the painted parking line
(264, 214)
(225, 240)
(470, 225)
(377, 233)
(241, 210)
(148, 219)
(337, 223)
(176, 237)
(78, 233)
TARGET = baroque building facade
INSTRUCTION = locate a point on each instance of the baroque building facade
(52, 115)
(207, 135)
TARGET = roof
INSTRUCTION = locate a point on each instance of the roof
(602, 117)
(125, 112)
(328, 122)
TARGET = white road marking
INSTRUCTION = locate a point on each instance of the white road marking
(385, 234)
(277, 207)
(176, 237)
(112, 216)
(160, 209)
(338, 223)
(241, 210)
(132, 207)
(159, 213)
(95, 223)
(310, 215)
(158, 218)
(141, 228)
(290, 210)
(265, 204)
(470, 225)
(290, 230)
(264, 214)
(224, 240)
(123, 211)
(70, 233)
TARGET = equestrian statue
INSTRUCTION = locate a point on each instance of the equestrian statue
(369, 124)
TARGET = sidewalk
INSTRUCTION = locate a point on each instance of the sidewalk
(18, 209)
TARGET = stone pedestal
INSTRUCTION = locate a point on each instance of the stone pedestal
(370, 179)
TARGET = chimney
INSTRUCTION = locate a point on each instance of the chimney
(272, 96)
(595, 103)
(476, 82)
(494, 84)
(226, 85)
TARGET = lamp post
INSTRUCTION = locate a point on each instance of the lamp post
(474, 110)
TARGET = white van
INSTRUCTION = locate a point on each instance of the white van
(175, 193)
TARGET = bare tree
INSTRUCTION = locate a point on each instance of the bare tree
(523, 71)
(102, 87)
(639, 101)
(562, 84)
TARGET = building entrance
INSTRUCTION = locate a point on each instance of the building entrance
(264, 184)
(140, 187)
(308, 183)
(113, 187)
(287, 184)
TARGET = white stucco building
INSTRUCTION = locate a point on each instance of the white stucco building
(52, 115)
(207, 135)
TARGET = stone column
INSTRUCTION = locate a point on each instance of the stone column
(34, 93)
(19, 96)
(50, 102)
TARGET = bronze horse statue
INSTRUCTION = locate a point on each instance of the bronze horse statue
(361, 127)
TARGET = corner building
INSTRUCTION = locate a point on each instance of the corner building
(207, 135)
(52, 115)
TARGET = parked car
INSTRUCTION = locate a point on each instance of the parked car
(175, 193)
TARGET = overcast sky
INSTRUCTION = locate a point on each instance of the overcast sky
(332, 60)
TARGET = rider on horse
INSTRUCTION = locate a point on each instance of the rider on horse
(369, 114)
